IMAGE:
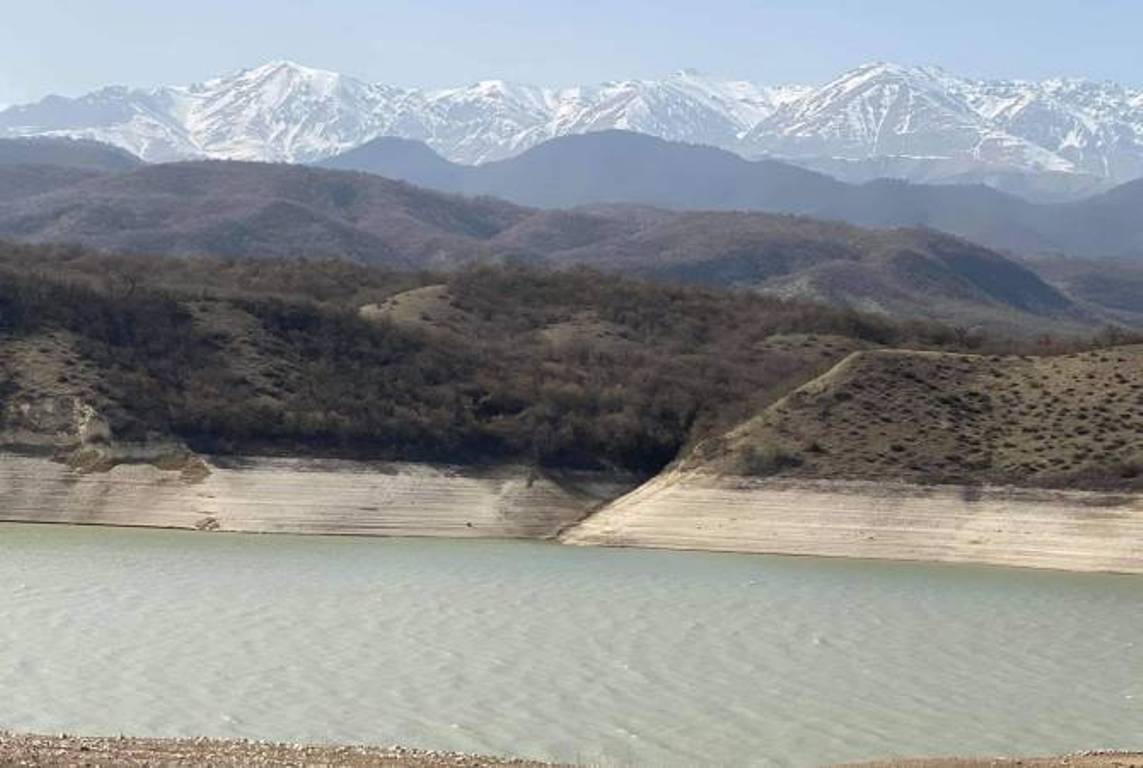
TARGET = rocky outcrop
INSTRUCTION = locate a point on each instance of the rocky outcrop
(56, 422)
(1034, 528)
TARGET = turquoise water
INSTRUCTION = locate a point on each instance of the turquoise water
(613, 657)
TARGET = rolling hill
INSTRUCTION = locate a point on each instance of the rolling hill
(79, 154)
(1062, 421)
(30, 167)
(557, 368)
(262, 210)
(485, 364)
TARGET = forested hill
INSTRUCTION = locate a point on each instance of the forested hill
(484, 364)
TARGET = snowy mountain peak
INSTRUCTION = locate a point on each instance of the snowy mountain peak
(874, 69)
(274, 74)
(284, 65)
(881, 118)
(903, 121)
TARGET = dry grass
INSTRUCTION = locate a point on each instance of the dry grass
(430, 308)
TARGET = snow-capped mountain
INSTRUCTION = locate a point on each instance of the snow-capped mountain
(275, 112)
(686, 106)
(285, 112)
(1096, 127)
(886, 111)
(880, 119)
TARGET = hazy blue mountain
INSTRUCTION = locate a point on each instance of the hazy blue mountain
(34, 166)
(66, 153)
(606, 167)
(623, 167)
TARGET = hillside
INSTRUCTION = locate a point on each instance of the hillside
(260, 210)
(31, 167)
(334, 398)
(23, 181)
(1112, 287)
(331, 358)
(78, 154)
(288, 357)
(921, 417)
(622, 167)
(900, 273)
(1005, 460)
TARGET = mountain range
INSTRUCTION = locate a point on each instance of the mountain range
(623, 167)
(1056, 139)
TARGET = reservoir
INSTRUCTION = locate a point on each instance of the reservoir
(598, 656)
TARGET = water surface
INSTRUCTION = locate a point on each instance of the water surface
(611, 657)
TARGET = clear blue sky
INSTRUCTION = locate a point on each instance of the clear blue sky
(70, 46)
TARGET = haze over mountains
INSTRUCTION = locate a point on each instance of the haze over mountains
(624, 167)
(1054, 139)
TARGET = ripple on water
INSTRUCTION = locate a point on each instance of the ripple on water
(600, 656)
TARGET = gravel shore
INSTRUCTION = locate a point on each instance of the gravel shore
(96, 752)
(100, 752)
(1080, 760)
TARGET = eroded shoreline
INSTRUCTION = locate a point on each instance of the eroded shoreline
(306, 496)
(1020, 527)
(1002, 526)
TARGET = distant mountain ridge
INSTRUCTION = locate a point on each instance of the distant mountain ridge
(33, 166)
(621, 167)
(917, 123)
(66, 153)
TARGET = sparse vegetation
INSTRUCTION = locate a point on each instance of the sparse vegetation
(1072, 420)
(493, 363)
(276, 357)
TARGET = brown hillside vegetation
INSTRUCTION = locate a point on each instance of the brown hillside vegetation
(1112, 287)
(272, 211)
(573, 369)
(560, 369)
(1057, 421)
(898, 273)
